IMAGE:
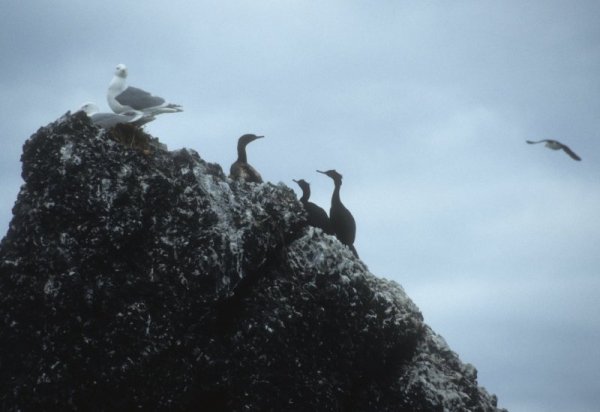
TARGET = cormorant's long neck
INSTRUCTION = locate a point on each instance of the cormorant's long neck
(305, 194)
(335, 198)
(242, 153)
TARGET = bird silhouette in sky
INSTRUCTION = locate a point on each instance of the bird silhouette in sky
(556, 145)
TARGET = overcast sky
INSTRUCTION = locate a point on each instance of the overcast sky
(424, 107)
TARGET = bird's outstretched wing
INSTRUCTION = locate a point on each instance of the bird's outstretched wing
(556, 145)
(570, 153)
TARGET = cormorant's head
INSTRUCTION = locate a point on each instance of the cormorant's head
(247, 138)
(337, 178)
(304, 185)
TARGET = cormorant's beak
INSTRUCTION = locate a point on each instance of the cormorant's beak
(259, 137)
(294, 180)
(321, 172)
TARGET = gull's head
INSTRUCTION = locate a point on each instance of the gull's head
(121, 70)
(89, 108)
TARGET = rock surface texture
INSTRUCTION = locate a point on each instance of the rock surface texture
(146, 279)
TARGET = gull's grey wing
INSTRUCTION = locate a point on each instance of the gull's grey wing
(138, 99)
(570, 153)
(108, 120)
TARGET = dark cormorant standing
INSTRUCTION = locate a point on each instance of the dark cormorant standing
(556, 145)
(240, 169)
(317, 217)
(341, 219)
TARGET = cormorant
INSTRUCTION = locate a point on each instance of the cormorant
(317, 217)
(240, 169)
(341, 219)
(556, 145)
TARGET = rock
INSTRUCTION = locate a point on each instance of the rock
(137, 278)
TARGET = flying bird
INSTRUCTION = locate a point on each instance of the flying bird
(110, 120)
(341, 219)
(556, 145)
(122, 98)
(317, 217)
(241, 169)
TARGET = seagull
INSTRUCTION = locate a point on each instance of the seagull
(556, 145)
(122, 98)
(110, 120)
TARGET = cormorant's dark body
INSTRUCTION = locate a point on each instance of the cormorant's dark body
(241, 169)
(340, 218)
(317, 217)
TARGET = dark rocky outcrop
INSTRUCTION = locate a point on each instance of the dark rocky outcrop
(137, 278)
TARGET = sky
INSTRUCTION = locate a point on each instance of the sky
(423, 107)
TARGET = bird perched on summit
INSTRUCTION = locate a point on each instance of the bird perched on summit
(341, 219)
(556, 145)
(317, 217)
(122, 98)
(241, 169)
(110, 120)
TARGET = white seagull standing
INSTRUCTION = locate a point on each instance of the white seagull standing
(556, 145)
(110, 120)
(122, 98)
